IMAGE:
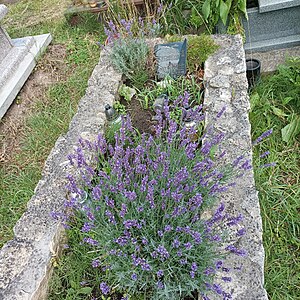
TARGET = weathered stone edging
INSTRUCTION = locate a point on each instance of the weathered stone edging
(26, 261)
(226, 85)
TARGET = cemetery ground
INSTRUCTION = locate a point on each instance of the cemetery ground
(48, 101)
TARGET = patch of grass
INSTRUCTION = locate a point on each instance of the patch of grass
(279, 188)
(50, 117)
(73, 273)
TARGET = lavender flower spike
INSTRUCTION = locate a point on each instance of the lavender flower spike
(105, 289)
(263, 136)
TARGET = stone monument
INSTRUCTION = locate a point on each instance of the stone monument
(17, 60)
(274, 24)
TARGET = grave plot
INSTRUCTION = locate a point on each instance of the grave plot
(26, 261)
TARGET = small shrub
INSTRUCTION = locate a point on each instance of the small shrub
(199, 49)
(129, 57)
(141, 210)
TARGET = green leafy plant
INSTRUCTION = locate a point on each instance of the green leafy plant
(127, 92)
(173, 89)
(120, 108)
(182, 17)
(215, 10)
(278, 95)
(189, 16)
(129, 57)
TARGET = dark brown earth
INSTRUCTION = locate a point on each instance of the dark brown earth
(141, 118)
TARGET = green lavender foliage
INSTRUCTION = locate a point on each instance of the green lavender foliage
(129, 57)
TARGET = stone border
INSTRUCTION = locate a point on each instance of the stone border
(225, 81)
(26, 261)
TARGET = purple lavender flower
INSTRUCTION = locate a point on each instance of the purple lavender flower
(105, 289)
(95, 263)
(163, 253)
(176, 243)
(217, 288)
(160, 284)
(111, 217)
(130, 223)
(233, 249)
(266, 153)
(134, 277)
(90, 241)
(231, 221)
(272, 164)
(226, 270)
(208, 271)
(123, 210)
(160, 273)
(87, 227)
(219, 264)
(220, 113)
(97, 193)
(140, 209)
(241, 232)
(188, 245)
(263, 136)
(194, 267)
(227, 279)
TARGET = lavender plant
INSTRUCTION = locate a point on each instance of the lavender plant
(129, 54)
(140, 210)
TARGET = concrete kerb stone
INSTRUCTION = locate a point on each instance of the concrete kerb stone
(26, 261)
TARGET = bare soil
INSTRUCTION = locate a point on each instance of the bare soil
(50, 69)
(141, 118)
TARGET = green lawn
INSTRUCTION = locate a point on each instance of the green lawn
(279, 187)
